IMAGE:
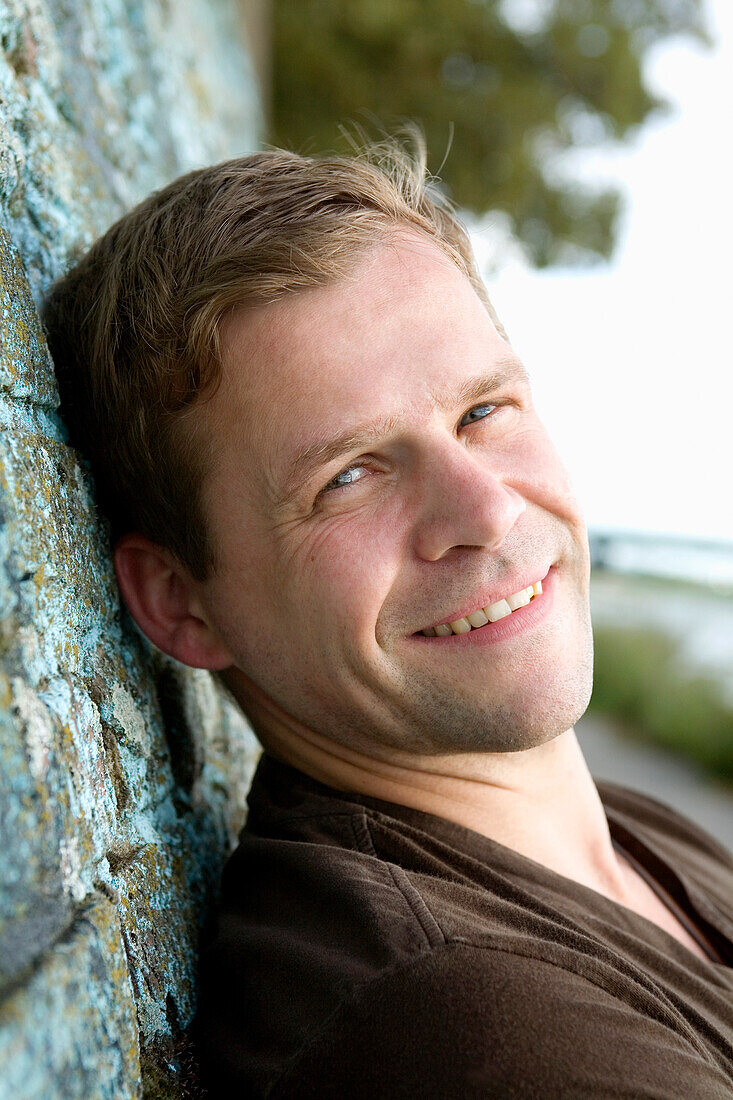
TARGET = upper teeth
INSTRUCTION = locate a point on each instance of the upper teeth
(489, 614)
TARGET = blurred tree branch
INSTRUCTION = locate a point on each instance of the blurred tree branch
(517, 82)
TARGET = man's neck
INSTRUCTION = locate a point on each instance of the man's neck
(541, 802)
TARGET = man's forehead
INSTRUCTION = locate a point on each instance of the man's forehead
(378, 276)
(306, 336)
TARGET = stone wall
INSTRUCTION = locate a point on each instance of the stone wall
(122, 776)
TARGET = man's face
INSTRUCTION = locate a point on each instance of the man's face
(378, 468)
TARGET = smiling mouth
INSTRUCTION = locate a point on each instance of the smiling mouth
(500, 609)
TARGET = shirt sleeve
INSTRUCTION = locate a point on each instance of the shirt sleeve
(467, 1021)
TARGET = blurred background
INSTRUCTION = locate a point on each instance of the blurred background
(586, 144)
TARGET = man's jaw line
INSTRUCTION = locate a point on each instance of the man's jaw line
(505, 800)
(389, 774)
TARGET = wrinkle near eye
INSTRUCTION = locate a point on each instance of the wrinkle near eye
(304, 542)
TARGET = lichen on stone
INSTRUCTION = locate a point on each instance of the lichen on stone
(122, 775)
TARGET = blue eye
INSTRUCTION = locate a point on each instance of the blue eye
(478, 412)
(346, 477)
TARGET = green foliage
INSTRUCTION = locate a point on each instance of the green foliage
(511, 98)
(638, 680)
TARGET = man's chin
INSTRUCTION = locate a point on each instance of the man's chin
(444, 722)
(508, 733)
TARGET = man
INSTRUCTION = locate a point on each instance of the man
(327, 483)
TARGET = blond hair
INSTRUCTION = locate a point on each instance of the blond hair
(133, 328)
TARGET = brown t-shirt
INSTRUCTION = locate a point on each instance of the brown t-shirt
(364, 949)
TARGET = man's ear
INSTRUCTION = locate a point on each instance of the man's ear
(163, 601)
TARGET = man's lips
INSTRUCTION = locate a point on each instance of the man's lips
(525, 618)
(499, 591)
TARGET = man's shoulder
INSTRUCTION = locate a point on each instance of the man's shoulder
(473, 1021)
(354, 946)
(320, 876)
(308, 914)
(660, 819)
(699, 859)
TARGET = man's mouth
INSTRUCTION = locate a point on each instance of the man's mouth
(474, 620)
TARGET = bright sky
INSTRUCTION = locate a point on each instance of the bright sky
(631, 362)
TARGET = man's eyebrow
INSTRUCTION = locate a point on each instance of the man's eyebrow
(510, 370)
(322, 451)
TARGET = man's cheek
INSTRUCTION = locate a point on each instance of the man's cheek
(350, 550)
(540, 475)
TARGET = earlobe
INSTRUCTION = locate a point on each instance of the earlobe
(163, 601)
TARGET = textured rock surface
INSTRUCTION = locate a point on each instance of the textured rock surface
(122, 777)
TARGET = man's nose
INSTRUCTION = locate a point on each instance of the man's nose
(464, 502)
